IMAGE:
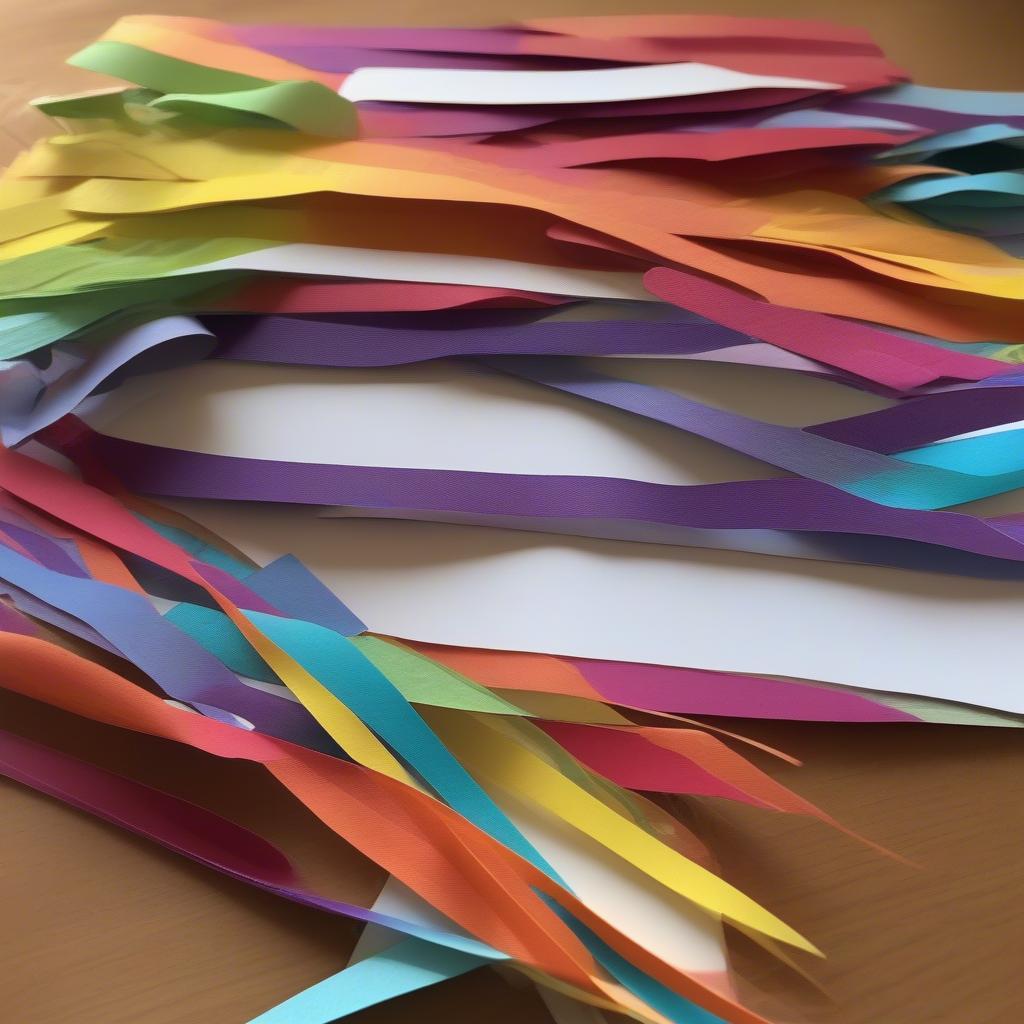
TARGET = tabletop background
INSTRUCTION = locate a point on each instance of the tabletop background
(98, 927)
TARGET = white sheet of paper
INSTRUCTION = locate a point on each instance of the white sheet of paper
(452, 415)
(310, 260)
(529, 88)
(471, 586)
(881, 629)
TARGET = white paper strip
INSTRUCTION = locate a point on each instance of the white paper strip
(642, 909)
(451, 415)
(666, 924)
(397, 900)
(529, 88)
(311, 260)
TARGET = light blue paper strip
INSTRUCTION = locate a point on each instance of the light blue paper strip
(833, 119)
(406, 967)
(976, 135)
(956, 101)
(995, 183)
(995, 454)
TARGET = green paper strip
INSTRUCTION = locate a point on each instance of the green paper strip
(307, 106)
(94, 107)
(106, 263)
(156, 71)
(423, 681)
(300, 105)
(29, 325)
(946, 712)
(135, 109)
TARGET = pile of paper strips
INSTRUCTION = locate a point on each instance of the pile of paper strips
(508, 390)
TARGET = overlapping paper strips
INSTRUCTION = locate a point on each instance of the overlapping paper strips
(544, 382)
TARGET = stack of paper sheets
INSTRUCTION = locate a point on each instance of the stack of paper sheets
(499, 384)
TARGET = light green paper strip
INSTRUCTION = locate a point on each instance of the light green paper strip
(135, 109)
(930, 709)
(307, 106)
(945, 712)
(422, 681)
(158, 72)
(418, 679)
(22, 332)
(300, 105)
(51, 295)
(30, 324)
(1008, 354)
(95, 107)
(105, 263)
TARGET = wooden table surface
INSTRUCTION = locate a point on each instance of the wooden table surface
(99, 927)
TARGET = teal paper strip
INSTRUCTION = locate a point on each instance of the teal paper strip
(1004, 184)
(340, 668)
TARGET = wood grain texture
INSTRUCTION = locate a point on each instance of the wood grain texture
(102, 928)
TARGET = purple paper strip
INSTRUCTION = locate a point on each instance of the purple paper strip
(182, 669)
(29, 605)
(12, 621)
(789, 504)
(299, 594)
(388, 340)
(920, 421)
(798, 451)
(396, 339)
(45, 550)
(819, 547)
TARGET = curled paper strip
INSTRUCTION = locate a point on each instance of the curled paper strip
(144, 349)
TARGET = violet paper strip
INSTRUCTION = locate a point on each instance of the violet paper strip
(160, 344)
(177, 664)
(739, 505)
(868, 474)
(392, 340)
